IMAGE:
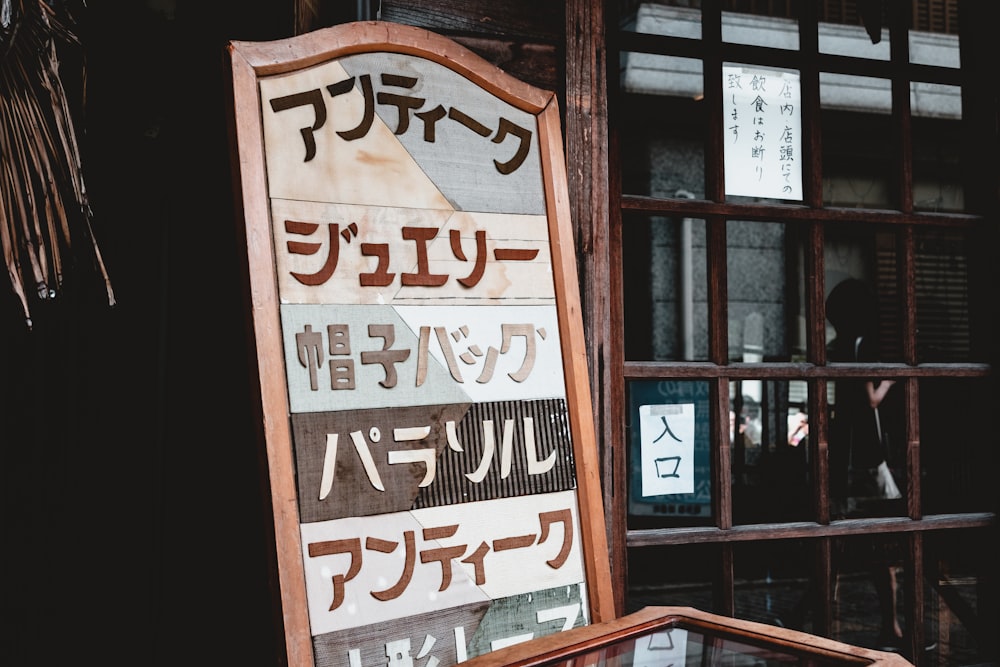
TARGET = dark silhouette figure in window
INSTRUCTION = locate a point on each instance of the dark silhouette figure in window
(857, 447)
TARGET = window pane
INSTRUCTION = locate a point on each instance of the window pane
(661, 126)
(934, 38)
(868, 577)
(956, 441)
(672, 576)
(857, 135)
(765, 288)
(850, 92)
(942, 296)
(669, 464)
(842, 39)
(957, 616)
(658, 19)
(665, 300)
(772, 32)
(863, 259)
(773, 583)
(658, 75)
(867, 449)
(770, 448)
(937, 167)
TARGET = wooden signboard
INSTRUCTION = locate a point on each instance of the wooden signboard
(415, 317)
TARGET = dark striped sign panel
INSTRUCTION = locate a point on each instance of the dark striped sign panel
(365, 462)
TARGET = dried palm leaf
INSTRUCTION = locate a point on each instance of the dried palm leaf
(45, 216)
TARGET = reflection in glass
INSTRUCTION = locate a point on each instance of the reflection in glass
(866, 413)
(867, 448)
(942, 296)
(857, 134)
(661, 126)
(765, 288)
(937, 168)
(842, 39)
(669, 465)
(866, 417)
(958, 610)
(680, 575)
(868, 573)
(659, 19)
(934, 37)
(772, 32)
(683, 644)
(869, 256)
(956, 443)
(773, 583)
(659, 75)
(854, 93)
(665, 288)
(769, 433)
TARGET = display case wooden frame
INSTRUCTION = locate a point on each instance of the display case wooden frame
(615, 642)
(343, 162)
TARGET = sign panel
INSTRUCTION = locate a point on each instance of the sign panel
(667, 437)
(415, 319)
(763, 132)
(670, 475)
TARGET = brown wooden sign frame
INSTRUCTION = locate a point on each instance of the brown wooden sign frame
(270, 247)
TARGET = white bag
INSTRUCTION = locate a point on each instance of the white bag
(886, 482)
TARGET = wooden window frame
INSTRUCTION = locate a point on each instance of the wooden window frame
(600, 248)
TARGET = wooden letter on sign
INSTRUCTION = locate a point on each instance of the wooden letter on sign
(415, 318)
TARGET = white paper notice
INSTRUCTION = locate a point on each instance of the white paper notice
(667, 436)
(762, 133)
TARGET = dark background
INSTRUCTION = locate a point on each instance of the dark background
(134, 525)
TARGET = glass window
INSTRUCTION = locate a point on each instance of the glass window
(937, 167)
(868, 576)
(867, 448)
(659, 19)
(942, 296)
(933, 39)
(841, 39)
(673, 576)
(665, 76)
(769, 433)
(851, 92)
(857, 136)
(669, 463)
(665, 288)
(957, 570)
(766, 293)
(663, 126)
(774, 583)
(862, 293)
(755, 30)
(899, 288)
(955, 441)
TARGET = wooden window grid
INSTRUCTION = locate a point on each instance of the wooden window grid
(812, 216)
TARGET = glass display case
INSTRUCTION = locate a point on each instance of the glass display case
(677, 636)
